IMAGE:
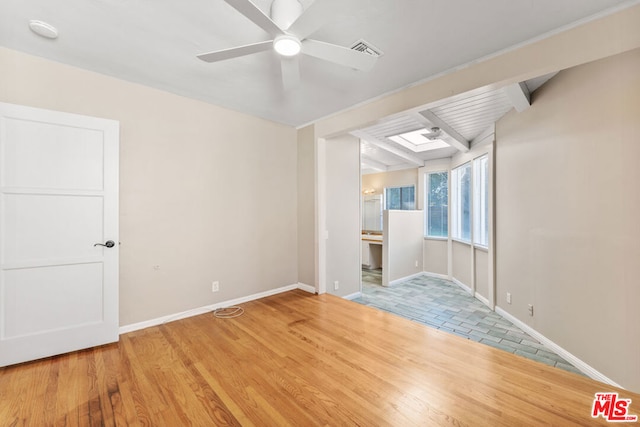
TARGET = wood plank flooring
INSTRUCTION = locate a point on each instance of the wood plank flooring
(295, 359)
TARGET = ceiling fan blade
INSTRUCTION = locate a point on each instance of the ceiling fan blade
(290, 73)
(252, 12)
(317, 14)
(234, 52)
(339, 55)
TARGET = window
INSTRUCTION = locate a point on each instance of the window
(461, 203)
(400, 198)
(437, 197)
(481, 201)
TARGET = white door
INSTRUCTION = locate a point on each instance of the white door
(58, 198)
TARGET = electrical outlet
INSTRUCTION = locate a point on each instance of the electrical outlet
(508, 297)
(530, 309)
(336, 285)
(215, 286)
(416, 263)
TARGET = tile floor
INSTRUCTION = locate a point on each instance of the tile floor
(443, 305)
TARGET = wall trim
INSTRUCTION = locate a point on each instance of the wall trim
(353, 296)
(205, 309)
(307, 288)
(436, 275)
(402, 279)
(466, 288)
(582, 366)
(483, 300)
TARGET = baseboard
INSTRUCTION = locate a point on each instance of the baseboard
(353, 295)
(207, 308)
(483, 300)
(436, 275)
(307, 288)
(402, 279)
(463, 286)
(579, 364)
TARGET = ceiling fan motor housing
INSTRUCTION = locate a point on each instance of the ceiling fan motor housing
(285, 12)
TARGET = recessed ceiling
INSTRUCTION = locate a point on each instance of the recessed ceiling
(155, 43)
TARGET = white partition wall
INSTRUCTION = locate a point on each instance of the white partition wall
(401, 245)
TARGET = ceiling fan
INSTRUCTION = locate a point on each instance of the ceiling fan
(289, 26)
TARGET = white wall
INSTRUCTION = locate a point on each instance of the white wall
(402, 245)
(567, 208)
(343, 215)
(205, 193)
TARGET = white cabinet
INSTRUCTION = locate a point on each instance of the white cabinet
(365, 254)
(372, 252)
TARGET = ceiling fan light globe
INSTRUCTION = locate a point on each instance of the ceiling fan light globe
(287, 45)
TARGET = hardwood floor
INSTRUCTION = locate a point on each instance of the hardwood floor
(295, 359)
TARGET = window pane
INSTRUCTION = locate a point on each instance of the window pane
(461, 202)
(400, 198)
(481, 201)
(437, 204)
(408, 198)
(392, 198)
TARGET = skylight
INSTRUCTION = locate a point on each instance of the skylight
(417, 142)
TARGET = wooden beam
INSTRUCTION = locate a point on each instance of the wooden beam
(519, 96)
(389, 148)
(429, 119)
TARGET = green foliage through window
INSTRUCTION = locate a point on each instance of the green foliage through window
(437, 204)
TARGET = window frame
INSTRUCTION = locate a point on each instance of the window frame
(480, 234)
(427, 198)
(400, 187)
(455, 202)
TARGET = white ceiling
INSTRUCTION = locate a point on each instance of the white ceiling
(155, 42)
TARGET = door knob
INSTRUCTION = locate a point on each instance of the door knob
(107, 244)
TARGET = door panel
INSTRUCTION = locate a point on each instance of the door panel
(46, 227)
(46, 155)
(58, 198)
(40, 300)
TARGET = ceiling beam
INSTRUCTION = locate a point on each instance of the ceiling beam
(389, 148)
(373, 164)
(486, 136)
(518, 94)
(429, 119)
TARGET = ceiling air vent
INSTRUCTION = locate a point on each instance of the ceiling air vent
(366, 47)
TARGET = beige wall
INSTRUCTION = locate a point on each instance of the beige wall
(461, 263)
(205, 193)
(306, 206)
(343, 215)
(380, 181)
(481, 273)
(436, 256)
(567, 214)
